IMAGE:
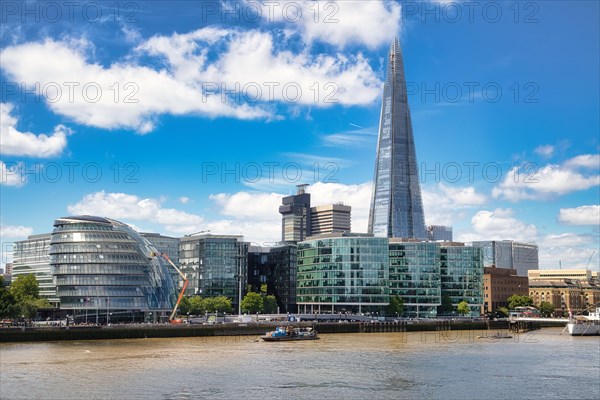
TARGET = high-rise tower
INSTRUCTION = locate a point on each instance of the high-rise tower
(396, 204)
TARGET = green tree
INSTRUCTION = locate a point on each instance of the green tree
(396, 306)
(8, 304)
(463, 308)
(269, 304)
(197, 305)
(219, 304)
(546, 309)
(25, 287)
(185, 306)
(263, 288)
(519, 301)
(503, 311)
(446, 307)
(252, 303)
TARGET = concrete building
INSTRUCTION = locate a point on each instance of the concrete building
(509, 254)
(573, 290)
(32, 256)
(330, 218)
(439, 233)
(8, 269)
(343, 273)
(215, 265)
(415, 276)
(461, 269)
(499, 285)
(296, 217)
(106, 272)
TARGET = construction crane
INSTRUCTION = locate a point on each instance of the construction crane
(185, 284)
(590, 260)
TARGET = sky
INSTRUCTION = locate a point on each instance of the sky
(186, 116)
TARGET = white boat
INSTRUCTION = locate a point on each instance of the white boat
(585, 325)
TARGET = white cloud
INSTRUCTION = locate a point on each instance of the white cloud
(532, 183)
(545, 150)
(16, 143)
(128, 94)
(568, 250)
(444, 205)
(184, 200)
(356, 196)
(584, 215)
(341, 23)
(143, 93)
(353, 138)
(499, 224)
(585, 161)
(14, 231)
(122, 206)
(242, 205)
(12, 175)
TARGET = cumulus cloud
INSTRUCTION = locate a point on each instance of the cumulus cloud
(184, 199)
(443, 204)
(16, 143)
(336, 22)
(533, 183)
(122, 206)
(569, 250)
(14, 231)
(210, 72)
(499, 224)
(12, 174)
(584, 161)
(583, 215)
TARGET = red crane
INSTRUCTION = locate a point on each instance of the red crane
(185, 283)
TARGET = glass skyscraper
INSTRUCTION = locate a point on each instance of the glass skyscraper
(396, 203)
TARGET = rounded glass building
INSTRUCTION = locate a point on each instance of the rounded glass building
(105, 271)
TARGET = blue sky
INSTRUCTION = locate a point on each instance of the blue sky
(119, 110)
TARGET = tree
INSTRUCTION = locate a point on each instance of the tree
(463, 308)
(8, 304)
(25, 287)
(546, 309)
(446, 307)
(252, 303)
(269, 304)
(219, 304)
(515, 301)
(503, 311)
(396, 306)
(185, 306)
(197, 305)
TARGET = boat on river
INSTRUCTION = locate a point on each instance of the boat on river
(282, 334)
(585, 325)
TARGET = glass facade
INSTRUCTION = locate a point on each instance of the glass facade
(462, 275)
(415, 276)
(215, 265)
(104, 271)
(31, 256)
(343, 274)
(396, 203)
(509, 254)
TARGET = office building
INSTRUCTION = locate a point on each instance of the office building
(107, 272)
(8, 268)
(415, 276)
(296, 218)
(31, 256)
(461, 269)
(509, 254)
(437, 233)
(572, 290)
(499, 284)
(215, 265)
(330, 218)
(169, 246)
(396, 203)
(343, 273)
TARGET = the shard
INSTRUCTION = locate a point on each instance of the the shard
(396, 203)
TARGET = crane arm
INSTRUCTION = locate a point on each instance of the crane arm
(185, 282)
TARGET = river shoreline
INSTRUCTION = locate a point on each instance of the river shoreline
(140, 331)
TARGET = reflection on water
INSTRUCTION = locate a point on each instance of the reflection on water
(448, 365)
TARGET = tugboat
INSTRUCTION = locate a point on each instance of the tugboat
(282, 334)
(582, 325)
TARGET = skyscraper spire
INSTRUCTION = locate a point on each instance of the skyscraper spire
(396, 203)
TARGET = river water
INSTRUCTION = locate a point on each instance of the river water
(453, 365)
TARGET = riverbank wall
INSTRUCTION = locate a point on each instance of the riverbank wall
(140, 331)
